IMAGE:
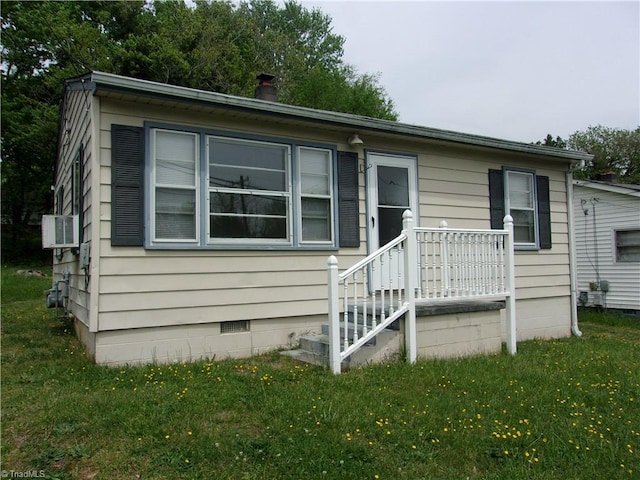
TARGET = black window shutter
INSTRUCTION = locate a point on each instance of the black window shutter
(544, 212)
(348, 203)
(127, 175)
(496, 198)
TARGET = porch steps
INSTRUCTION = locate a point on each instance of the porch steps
(314, 349)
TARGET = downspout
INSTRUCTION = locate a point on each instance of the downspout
(572, 258)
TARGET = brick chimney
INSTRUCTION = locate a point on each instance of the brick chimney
(265, 89)
(609, 176)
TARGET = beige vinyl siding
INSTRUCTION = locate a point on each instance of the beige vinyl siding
(613, 211)
(454, 187)
(144, 288)
(76, 121)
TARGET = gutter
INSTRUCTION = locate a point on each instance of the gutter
(575, 330)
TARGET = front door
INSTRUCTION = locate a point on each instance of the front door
(392, 188)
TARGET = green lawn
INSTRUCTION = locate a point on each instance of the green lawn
(564, 409)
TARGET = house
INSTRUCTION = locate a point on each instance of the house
(607, 231)
(200, 224)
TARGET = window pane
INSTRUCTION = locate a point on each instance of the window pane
(629, 254)
(523, 226)
(175, 145)
(393, 186)
(175, 214)
(520, 190)
(242, 153)
(315, 184)
(316, 219)
(389, 224)
(247, 179)
(175, 158)
(224, 226)
(170, 172)
(244, 204)
(628, 238)
(628, 245)
(314, 161)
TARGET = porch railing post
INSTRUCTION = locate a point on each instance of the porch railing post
(334, 315)
(409, 288)
(510, 302)
(444, 260)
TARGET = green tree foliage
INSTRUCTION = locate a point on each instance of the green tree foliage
(549, 141)
(216, 46)
(614, 151)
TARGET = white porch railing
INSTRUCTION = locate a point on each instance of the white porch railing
(436, 264)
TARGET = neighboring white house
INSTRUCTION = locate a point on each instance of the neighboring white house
(204, 221)
(607, 234)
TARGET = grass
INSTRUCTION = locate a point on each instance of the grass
(565, 408)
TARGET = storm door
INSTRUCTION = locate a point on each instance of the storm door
(392, 188)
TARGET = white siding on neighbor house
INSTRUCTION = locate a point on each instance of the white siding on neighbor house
(607, 212)
(77, 125)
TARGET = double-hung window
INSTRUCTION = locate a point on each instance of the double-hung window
(520, 201)
(525, 196)
(174, 159)
(316, 201)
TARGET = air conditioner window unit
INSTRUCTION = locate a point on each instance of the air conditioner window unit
(59, 231)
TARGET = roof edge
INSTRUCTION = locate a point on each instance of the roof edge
(131, 85)
(622, 188)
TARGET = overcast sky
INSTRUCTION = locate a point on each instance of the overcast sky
(512, 70)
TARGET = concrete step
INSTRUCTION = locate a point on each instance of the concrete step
(350, 332)
(378, 311)
(314, 349)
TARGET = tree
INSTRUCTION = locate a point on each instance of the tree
(614, 151)
(217, 46)
(549, 141)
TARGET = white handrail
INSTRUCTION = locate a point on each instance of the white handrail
(438, 265)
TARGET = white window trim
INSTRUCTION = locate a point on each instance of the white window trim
(155, 185)
(507, 198)
(331, 198)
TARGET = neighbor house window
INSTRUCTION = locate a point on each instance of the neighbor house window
(174, 163)
(627, 245)
(316, 187)
(249, 190)
(521, 205)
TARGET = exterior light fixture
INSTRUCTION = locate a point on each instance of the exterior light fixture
(355, 140)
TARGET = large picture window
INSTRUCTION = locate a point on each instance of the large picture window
(249, 190)
(210, 190)
(175, 204)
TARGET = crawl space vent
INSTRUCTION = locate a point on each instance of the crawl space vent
(237, 326)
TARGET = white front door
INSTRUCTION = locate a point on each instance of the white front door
(392, 188)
